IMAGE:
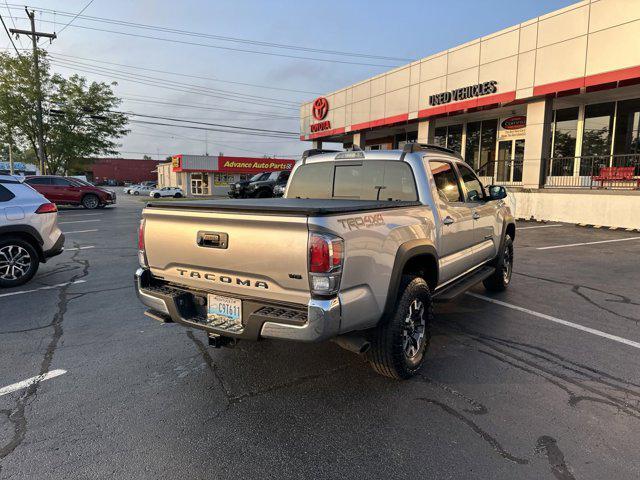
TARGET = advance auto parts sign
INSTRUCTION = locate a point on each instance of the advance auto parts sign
(251, 165)
(512, 127)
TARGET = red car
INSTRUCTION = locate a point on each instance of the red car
(71, 191)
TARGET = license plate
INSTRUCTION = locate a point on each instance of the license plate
(223, 308)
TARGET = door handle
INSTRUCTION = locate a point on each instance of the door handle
(476, 216)
(448, 220)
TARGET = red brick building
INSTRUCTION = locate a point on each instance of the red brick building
(120, 170)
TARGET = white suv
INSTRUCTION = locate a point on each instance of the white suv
(29, 232)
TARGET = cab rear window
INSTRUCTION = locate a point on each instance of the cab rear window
(372, 180)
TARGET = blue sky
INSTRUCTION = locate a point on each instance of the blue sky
(401, 29)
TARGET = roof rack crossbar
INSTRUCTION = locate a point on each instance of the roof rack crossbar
(425, 147)
(315, 151)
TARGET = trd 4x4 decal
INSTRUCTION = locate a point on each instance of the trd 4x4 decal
(365, 221)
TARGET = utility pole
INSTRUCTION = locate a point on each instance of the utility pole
(11, 172)
(34, 41)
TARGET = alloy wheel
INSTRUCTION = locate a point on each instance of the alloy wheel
(413, 332)
(15, 262)
(91, 202)
(507, 264)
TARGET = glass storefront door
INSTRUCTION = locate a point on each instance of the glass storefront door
(509, 159)
(199, 184)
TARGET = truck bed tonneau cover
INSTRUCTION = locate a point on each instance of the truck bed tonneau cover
(293, 206)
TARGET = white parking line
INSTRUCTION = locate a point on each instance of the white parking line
(588, 243)
(79, 221)
(540, 226)
(48, 287)
(61, 214)
(544, 316)
(80, 231)
(30, 381)
(73, 249)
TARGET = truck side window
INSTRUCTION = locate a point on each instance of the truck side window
(471, 184)
(446, 181)
(398, 182)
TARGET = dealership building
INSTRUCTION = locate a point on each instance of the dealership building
(549, 107)
(204, 175)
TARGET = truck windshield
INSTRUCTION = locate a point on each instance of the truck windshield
(370, 180)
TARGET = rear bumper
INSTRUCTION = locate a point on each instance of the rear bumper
(56, 249)
(318, 321)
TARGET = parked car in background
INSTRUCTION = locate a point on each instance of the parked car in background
(238, 189)
(174, 192)
(280, 186)
(278, 190)
(29, 232)
(263, 188)
(71, 191)
(143, 190)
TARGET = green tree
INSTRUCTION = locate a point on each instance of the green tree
(80, 118)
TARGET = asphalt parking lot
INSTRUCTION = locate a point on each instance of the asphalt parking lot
(542, 381)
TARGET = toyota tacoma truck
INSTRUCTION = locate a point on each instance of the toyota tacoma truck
(357, 251)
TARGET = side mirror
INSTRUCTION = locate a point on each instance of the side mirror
(497, 192)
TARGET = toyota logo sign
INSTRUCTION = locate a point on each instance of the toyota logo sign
(320, 108)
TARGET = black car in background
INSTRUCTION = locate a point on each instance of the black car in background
(238, 189)
(260, 185)
(264, 188)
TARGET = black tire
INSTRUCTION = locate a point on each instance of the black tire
(264, 194)
(90, 201)
(394, 338)
(156, 195)
(500, 280)
(16, 248)
(136, 193)
(177, 195)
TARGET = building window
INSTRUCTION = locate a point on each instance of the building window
(627, 137)
(440, 136)
(480, 151)
(472, 150)
(449, 137)
(598, 127)
(563, 144)
(403, 138)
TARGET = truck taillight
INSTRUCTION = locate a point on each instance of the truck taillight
(47, 208)
(142, 256)
(326, 256)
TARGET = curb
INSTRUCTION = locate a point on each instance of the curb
(586, 225)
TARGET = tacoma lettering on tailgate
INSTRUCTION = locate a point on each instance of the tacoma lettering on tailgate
(212, 277)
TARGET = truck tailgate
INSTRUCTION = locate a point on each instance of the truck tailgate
(265, 255)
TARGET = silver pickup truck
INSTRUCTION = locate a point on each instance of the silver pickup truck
(357, 251)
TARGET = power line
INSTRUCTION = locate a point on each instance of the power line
(170, 85)
(76, 16)
(257, 134)
(143, 99)
(211, 79)
(207, 123)
(233, 49)
(9, 35)
(165, 29)
(216, 90)
(13, 22)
